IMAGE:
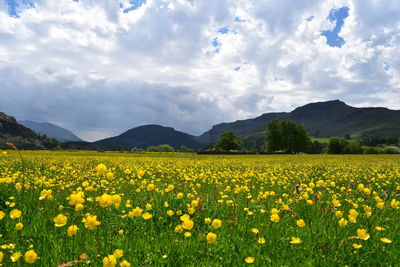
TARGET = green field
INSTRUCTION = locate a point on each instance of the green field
(196, 210)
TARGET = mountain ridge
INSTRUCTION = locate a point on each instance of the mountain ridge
(59, 133)
(320, 119)
(150, 135)
(21, 136)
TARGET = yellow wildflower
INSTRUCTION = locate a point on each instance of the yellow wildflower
(91, 221)
(185, 217)
(178, 229)
(295, 240)
(188, 234)
(275, 218)
(79, 207)
(170, 213)
(72, 230)
(342, 222)
(109, 261)
(249, 260)
(150, 187)
(19, 226)
(147, 216)
(15, 214)
(362, 234)
(101, 169)
(30, 256)
(46, 193)
(15, 256)
(386, 240)
(216, 223)
(60, 220)
(76, 198)
(211, 238)
(125, 263)
(136, 212)
(188, 225)
(338, 214)
(300, 223)
(118, 253)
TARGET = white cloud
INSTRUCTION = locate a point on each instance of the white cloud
(90, 66)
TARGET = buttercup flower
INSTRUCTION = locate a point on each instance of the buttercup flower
(249, 260)
(211, 237)
(91, 221)
(72, 230)
(60, 220)
(30, 256)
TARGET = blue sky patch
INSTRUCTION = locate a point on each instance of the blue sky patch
(332, 36)
(238, 19)
(135, 4)
(386, 66)
(237, 68)
(223, 30)
(14, 7)
(310, 18)
(215, 42)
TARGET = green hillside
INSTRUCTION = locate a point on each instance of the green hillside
(321, 120)
(21, 136)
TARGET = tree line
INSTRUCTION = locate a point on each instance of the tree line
(290, 137)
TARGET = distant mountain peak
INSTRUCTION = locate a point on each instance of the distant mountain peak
(21, 136)
(52, 130)
(320, 119)
(149, 135)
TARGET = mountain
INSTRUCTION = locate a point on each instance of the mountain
(21, 136)
(321, 119)
(239, 127)
(148, 135)
(335, 118)
(52, 130)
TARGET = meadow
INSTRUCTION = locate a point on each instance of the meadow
(123, 209)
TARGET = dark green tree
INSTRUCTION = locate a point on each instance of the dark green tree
(287, 136)
(336, 145)
(185, 149)
(160, 148)
(228, 141)
(274, 136)
(339, 145)
(317, 147)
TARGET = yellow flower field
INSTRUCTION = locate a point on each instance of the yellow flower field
(123, 209)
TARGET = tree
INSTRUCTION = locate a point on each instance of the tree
(185, 149)
(317, 147)
(339, 145)
(287, 136)
(160, 148)
(274, 136)
(228, 141)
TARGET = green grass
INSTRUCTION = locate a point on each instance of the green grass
(239, 190)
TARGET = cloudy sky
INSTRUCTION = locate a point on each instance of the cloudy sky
(100, 67)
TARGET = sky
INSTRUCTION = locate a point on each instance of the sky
(101, 67)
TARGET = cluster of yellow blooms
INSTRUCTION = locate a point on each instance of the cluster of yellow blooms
(189, 201)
